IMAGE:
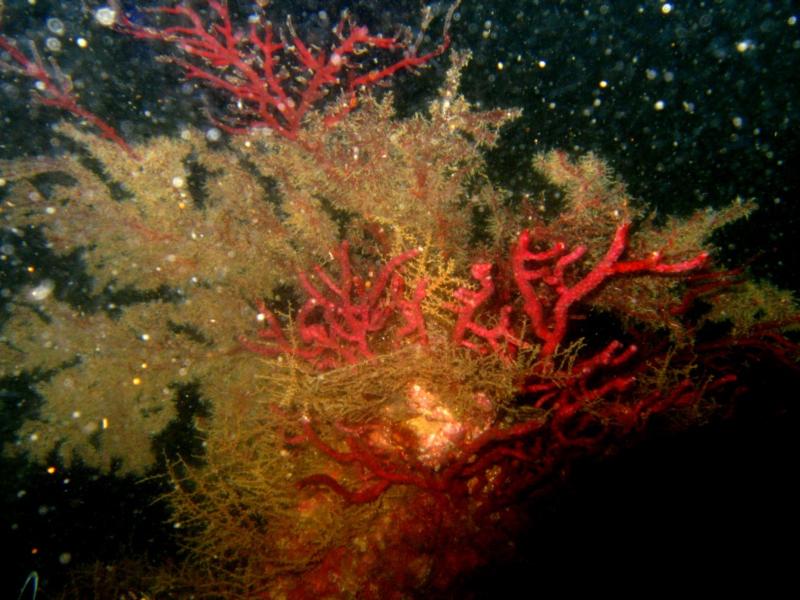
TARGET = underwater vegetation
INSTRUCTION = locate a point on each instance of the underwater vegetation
(376, 358)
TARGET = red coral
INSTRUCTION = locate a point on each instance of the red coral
(548, 292)
(274, 83)
(584, 401)
(53, 88)
(482, 467)
(336, 324)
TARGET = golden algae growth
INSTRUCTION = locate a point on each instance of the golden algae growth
(396, 470)
(180, 242)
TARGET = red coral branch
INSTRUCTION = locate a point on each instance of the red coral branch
(502, 461)
(549, 293)
(550, 326)
(336, 323)
(499, 338)
(274, 83)
(543, 282)
(385, 469)
(55, 89)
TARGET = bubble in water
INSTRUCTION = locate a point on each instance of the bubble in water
(42, 291)
(53, 44)
(213, 134)
(55, 26)
(105, 16)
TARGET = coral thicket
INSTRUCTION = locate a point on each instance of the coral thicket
(395, 353)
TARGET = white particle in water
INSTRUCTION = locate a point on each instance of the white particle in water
(105, 16)
(41, 291)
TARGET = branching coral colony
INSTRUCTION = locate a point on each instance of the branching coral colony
(384, 436)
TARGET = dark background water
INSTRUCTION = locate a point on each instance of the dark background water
(693, 106)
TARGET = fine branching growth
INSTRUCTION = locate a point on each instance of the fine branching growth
(392, 352)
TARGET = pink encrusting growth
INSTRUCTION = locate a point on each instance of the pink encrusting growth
(271, 82)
